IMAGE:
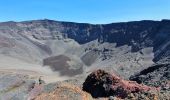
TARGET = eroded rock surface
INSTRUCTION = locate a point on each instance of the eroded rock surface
(65, 91)
(103, 84)
(157, 75)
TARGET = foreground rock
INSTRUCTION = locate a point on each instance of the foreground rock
(103, 84)
(24, 87)
(64, 92)
(100, 83)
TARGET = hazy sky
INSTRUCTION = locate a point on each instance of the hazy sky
(89, 11)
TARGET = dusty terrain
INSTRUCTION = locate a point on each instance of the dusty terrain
(55, 51)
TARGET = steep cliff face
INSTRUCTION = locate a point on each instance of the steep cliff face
(133, 45)
(139, 34)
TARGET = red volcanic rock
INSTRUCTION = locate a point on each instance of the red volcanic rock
(103, 84)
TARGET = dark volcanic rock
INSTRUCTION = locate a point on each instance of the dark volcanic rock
(95, 82)
(60, 64)
(103, 84)
(157, 75)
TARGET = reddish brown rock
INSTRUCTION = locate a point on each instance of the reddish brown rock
(65, 92)
(103, 84)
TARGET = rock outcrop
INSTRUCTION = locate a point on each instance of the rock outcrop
(102, 84)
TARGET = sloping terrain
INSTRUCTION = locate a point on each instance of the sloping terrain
(58, 51)
(124, 47)
(157, 75)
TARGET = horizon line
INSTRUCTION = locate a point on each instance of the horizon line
(19, 21)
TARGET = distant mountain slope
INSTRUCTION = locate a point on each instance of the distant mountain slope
(126, 47)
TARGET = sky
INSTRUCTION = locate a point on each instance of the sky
(84, 11)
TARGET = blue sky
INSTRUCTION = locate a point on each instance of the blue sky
(88, 11)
